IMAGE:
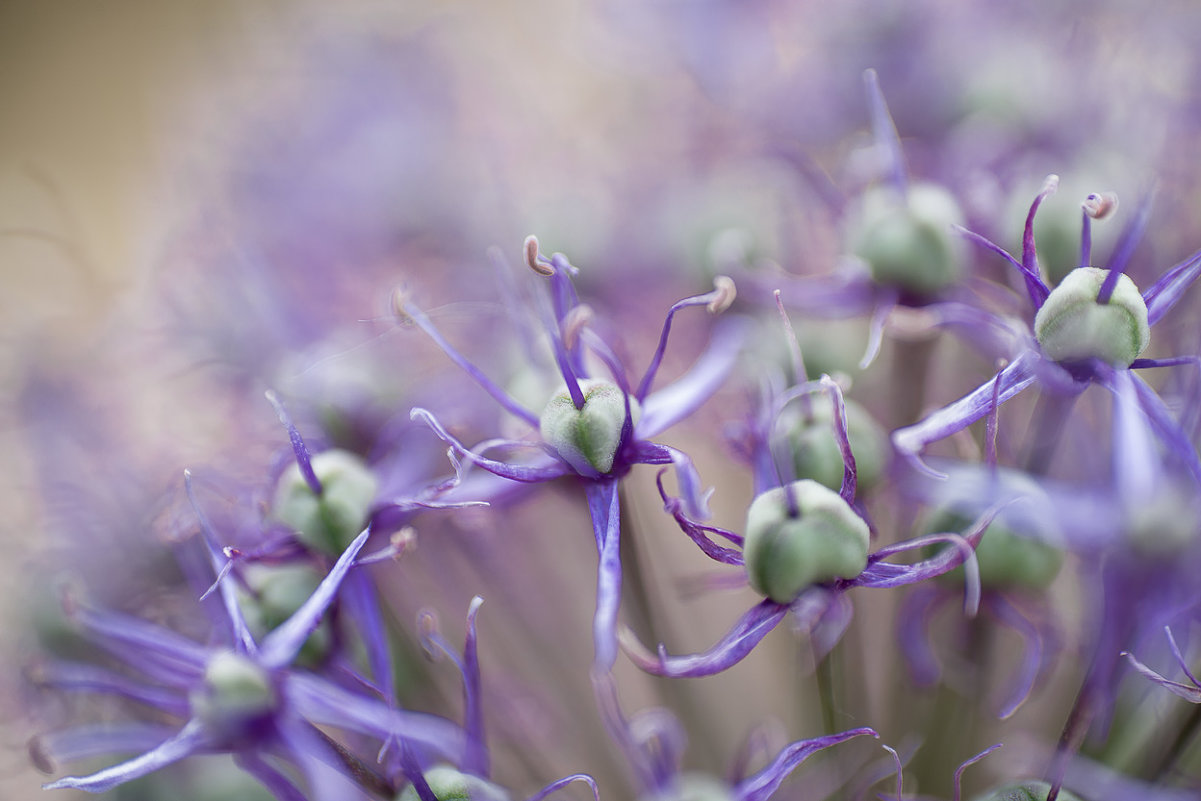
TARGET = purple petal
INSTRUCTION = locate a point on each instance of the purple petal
(1180, 660)
(92, 678)
(730, 650)
(1169, 430)
(761, 786)
(48, 751)
(276, 783)
(606, 523)
(1135, 458)
(644, 386)
(957, 794)
(476, 759)
(1167, 291)
(555, 786)
(846, 294)
(696, 499)
(282, 645)
(884, 132)
(1034, 658)
(1029, 253)
(299, 449)
(188, 741)
(911, 440)
(886, 301)
(544, 470)
(699, 533)
(1127, 241)
(839, 421)
(363, 605)
(315, 758)
(324, 703)
(913, 633)
(882, 575)
(1190, 693)
(668, 406)
(498, 394)
(156, 651)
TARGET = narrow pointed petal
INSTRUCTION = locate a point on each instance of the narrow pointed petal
(1188, 692)
(606, 523)
(1034, 661)
(476, 759)
(1036, 288)
(93, 678)
(315, 758)
(1029, 252)
(1169, 430)
(48, 751)
(882, 575)
(282, 645)
(556, 786)
(912, 440)
(191, 739)
(1135, 458)
(761, 786)
(884, 132)
(363, 605)
(885, 303)
(299, 449)
(668, 406)
(693, 497)
(913, 634)
(276, 783)
(545, 469)
(161, 653)
(498, 394)
(750, 629)
(323, 703)
(967, 763)
(699, 533)
(1167, 291)
(1128, 240)
(1180, 660)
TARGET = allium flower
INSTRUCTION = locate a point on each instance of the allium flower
(242, 697)
(597, 429)
(1091, 329)
(805, 547)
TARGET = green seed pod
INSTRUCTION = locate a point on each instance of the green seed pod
(1032, 790)
(1071, 325)
(907, 241)
(276, 592)
(587, 438)
(330, 521)
(235, 693)
(450, 784)
(784, 554)
(815, 451)
(694, 787)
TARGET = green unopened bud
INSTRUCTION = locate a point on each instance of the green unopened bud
(1026, 791)
(235, 693)
(587, 438)
(694, 787)
(786, 553)
(330, 521)
(815, 451)
(907, 241)
(450, 784)
(275, 593)
(1071, 325)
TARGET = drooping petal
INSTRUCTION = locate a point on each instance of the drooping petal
(750, 629)
(761, 786)
(323, 703)
(694, 498)
(699, 533)
(913, 633)
(883, 575)
(886, 301)
(1189, 692)
(189, 740)
(604, 506)
(668, 406)
(48, 751)
(284, 642)
(545, 468)
(1035, 659)
(911, 440)
(648, 378)
(555, 786)
(958, 778)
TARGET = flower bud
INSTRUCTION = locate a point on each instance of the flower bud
(693, 787)
(276, 592)
(450, 784)
(587, 438)
(1026, 791)
(236, 693)
(907, 241)
(1072, 326)
(819, 539)
(330, 521)
(815, 451)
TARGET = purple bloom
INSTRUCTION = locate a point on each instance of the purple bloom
(596, 429)
(1089, 330)
(241, 697)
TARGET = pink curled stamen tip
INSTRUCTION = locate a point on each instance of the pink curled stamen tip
(1100, 205)
(724, 293)
(532, 258)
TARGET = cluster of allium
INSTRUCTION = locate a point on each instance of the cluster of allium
(295, 680)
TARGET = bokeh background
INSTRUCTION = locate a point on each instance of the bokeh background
(200, 199)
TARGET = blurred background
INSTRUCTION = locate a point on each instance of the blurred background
(192, 194)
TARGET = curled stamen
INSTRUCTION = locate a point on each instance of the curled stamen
(576, 320)
(724, 293)
(532, 259)
(1100, 205)
(399, 303)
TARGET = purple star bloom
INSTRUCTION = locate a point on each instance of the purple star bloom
(653, 743)
(819, 608)
(1067, 358)
(628, 417)
(241, 697)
